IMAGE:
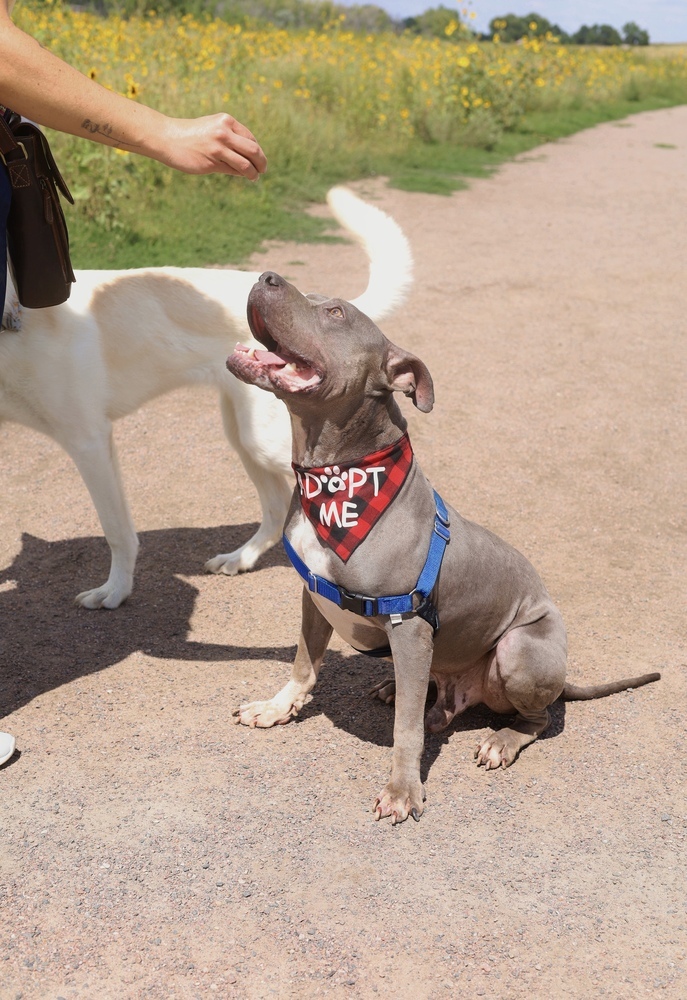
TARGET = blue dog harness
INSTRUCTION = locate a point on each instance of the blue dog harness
(399, 604)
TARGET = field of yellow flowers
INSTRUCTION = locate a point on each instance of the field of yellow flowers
(323, 104)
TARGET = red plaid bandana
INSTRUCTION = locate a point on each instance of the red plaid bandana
(345, 501)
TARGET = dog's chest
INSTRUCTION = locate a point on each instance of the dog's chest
(306, 543)
(357, 631)
(361, 633)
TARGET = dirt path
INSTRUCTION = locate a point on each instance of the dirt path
(152, 849)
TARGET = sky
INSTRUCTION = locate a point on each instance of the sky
(665, 20)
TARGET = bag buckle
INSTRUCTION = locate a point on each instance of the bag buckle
(23, 149)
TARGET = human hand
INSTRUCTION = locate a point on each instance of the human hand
(211, 144)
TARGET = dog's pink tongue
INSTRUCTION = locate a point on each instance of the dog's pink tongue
(265, 357)
(270, 358)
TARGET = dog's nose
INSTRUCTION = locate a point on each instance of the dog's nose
(273, 279)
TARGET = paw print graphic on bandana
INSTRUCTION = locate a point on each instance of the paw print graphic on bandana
(334, 479)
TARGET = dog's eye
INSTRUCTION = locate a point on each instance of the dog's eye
(336, 311)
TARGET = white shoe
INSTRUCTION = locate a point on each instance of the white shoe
(7, 745)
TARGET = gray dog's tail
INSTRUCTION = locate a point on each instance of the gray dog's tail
(571, 692)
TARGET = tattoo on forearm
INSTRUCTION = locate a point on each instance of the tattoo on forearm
(106, 129)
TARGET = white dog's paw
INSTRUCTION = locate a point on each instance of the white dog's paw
(231, 563)
(264, 714)
(285, 705)
(107, 596)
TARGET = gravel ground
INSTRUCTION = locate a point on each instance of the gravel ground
(151, 849)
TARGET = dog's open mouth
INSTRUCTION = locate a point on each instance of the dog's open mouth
(284, 370)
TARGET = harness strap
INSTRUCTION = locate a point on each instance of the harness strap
(398, 604)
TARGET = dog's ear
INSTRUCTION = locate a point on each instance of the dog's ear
(407, 374)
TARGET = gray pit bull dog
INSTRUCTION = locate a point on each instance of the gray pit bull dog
(371, 539)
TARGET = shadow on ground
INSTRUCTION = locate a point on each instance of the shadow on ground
(341, 695)
(46, 641)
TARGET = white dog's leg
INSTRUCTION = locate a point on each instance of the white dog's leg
(274, 489)
(96, 459)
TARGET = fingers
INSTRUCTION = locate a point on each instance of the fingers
(240, 153)
(215, 144)
(243, 158)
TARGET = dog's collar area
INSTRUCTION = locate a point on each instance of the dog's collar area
(344, 501)
(398, 604)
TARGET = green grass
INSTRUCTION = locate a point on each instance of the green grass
(194, 221)
(197, 221)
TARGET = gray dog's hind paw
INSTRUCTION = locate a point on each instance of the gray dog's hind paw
(493, 754)
(385, 690)
(501, 748)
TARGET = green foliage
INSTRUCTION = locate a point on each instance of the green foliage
(597, 34)
(634, 35)
(316, 14)
(243, 216)
(511, 27)
(99, 185)
(292, 14)
(327, 106)
(368, 18)
(438, 22)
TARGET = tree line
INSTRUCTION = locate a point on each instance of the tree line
(438, 22)
(512, 27)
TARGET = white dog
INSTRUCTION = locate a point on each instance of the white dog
(125, 337)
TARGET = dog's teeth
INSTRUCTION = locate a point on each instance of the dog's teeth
(251, 352)
(291, 367)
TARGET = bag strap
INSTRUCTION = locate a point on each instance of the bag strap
(8, 144)
(11, 144)
(52, 166)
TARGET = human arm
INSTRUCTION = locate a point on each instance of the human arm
(40, 86)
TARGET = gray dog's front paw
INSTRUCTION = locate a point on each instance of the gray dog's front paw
(400, 802)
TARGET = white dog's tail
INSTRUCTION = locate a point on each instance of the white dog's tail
(391, 260)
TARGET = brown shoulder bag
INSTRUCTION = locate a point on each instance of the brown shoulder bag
(37, 238)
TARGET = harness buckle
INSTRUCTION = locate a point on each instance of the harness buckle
(428, 611)
(444, 518)
(356, 603)
(441, 529)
